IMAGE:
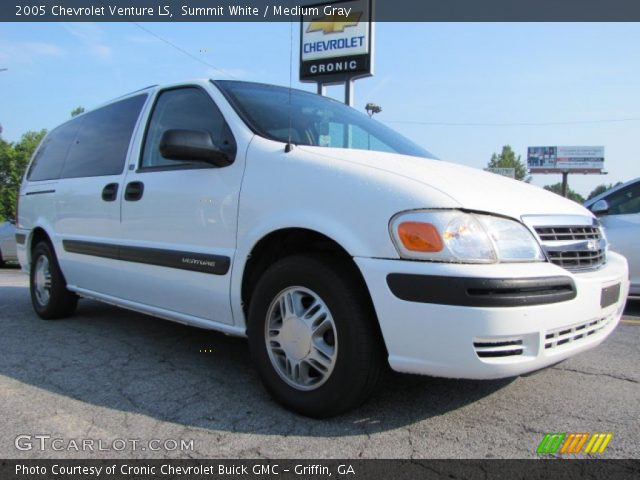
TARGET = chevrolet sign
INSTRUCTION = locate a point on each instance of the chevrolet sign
(336, 44)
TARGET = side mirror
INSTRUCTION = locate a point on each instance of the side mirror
(193, 145)
(601, 207)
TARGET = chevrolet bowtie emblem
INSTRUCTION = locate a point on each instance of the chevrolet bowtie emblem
(329, 25)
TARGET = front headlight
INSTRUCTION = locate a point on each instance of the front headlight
(455, 236)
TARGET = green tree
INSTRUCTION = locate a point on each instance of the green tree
(77, 111)
(507, 159)
(557, 188)
(601, 189)
(13, 162)
(7, 154)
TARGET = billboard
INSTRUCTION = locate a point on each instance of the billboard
(336, 41)
(565, 159)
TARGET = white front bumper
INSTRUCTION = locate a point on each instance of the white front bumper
(438, 340)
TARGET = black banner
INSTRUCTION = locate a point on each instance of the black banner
(319, 469)
(338, 67)
(291, 10)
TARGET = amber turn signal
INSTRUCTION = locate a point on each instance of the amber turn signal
(420, 237)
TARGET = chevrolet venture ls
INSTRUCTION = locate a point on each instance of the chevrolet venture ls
(333, 243)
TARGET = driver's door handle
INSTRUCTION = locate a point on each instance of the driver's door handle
(134, 191)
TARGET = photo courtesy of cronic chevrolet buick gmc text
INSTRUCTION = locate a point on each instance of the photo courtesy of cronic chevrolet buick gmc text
(330, 241)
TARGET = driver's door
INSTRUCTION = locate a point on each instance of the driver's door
(179, 217)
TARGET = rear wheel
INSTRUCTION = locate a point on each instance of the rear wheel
(313, 336)
(49, 294)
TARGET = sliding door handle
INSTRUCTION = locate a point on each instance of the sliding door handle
(110, 192)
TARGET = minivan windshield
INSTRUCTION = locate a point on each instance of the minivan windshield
(280, 114)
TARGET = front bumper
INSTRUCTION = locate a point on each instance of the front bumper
(457, 339)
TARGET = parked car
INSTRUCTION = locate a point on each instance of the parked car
(619, 212)
(330, 241)
(8, 243)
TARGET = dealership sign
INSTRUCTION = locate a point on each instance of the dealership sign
(336, 41)
(565, 159)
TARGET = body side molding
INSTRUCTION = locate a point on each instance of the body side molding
(196, 262)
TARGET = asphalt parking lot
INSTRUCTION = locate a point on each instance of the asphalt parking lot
(124, 378)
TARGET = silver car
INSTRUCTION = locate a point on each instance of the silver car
(619, 212)
(7, 243)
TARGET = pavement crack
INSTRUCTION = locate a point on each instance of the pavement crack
(412, 452)
(598, 374)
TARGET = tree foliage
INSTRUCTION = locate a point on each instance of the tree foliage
(77, 111)
(14, 158)
(557, 188)
(507, 159)
(601, 189)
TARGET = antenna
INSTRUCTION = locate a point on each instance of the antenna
(288, 147)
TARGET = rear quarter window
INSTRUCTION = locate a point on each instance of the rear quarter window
(50, 156)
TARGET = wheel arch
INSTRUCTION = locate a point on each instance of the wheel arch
(37, 235)
(284, 242)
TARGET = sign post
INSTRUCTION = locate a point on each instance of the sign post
(566, 160)
(336, 44)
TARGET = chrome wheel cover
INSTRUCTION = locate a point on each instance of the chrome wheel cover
(42, 281)
(301, 338)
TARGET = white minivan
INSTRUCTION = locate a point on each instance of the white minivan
(333, 243)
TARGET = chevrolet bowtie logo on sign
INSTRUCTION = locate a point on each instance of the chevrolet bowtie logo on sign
(331, 23)
(574, 443)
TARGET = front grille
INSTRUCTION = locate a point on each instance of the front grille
(569, 233)
(576, 260)
(501, 348)
(574, 333)
(573, 247)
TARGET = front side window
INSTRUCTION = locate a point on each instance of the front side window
(185, 109)
(284, 114)
(625, 200)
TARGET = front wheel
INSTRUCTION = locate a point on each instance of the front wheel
(313, 336)
(49, 294)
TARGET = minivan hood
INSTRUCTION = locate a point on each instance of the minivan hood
(473, 189)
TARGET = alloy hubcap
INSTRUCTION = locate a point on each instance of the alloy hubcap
(42, 280)
(301, 339)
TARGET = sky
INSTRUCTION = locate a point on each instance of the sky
(461, 90)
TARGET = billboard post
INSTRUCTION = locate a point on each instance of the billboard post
(566, 160)
(565, 182)
(336, 44)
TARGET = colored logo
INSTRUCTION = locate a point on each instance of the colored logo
(574, 443)
(328, 24)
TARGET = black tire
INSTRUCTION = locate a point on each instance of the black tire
(359, 359)
(61, 302)
(1, 260)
